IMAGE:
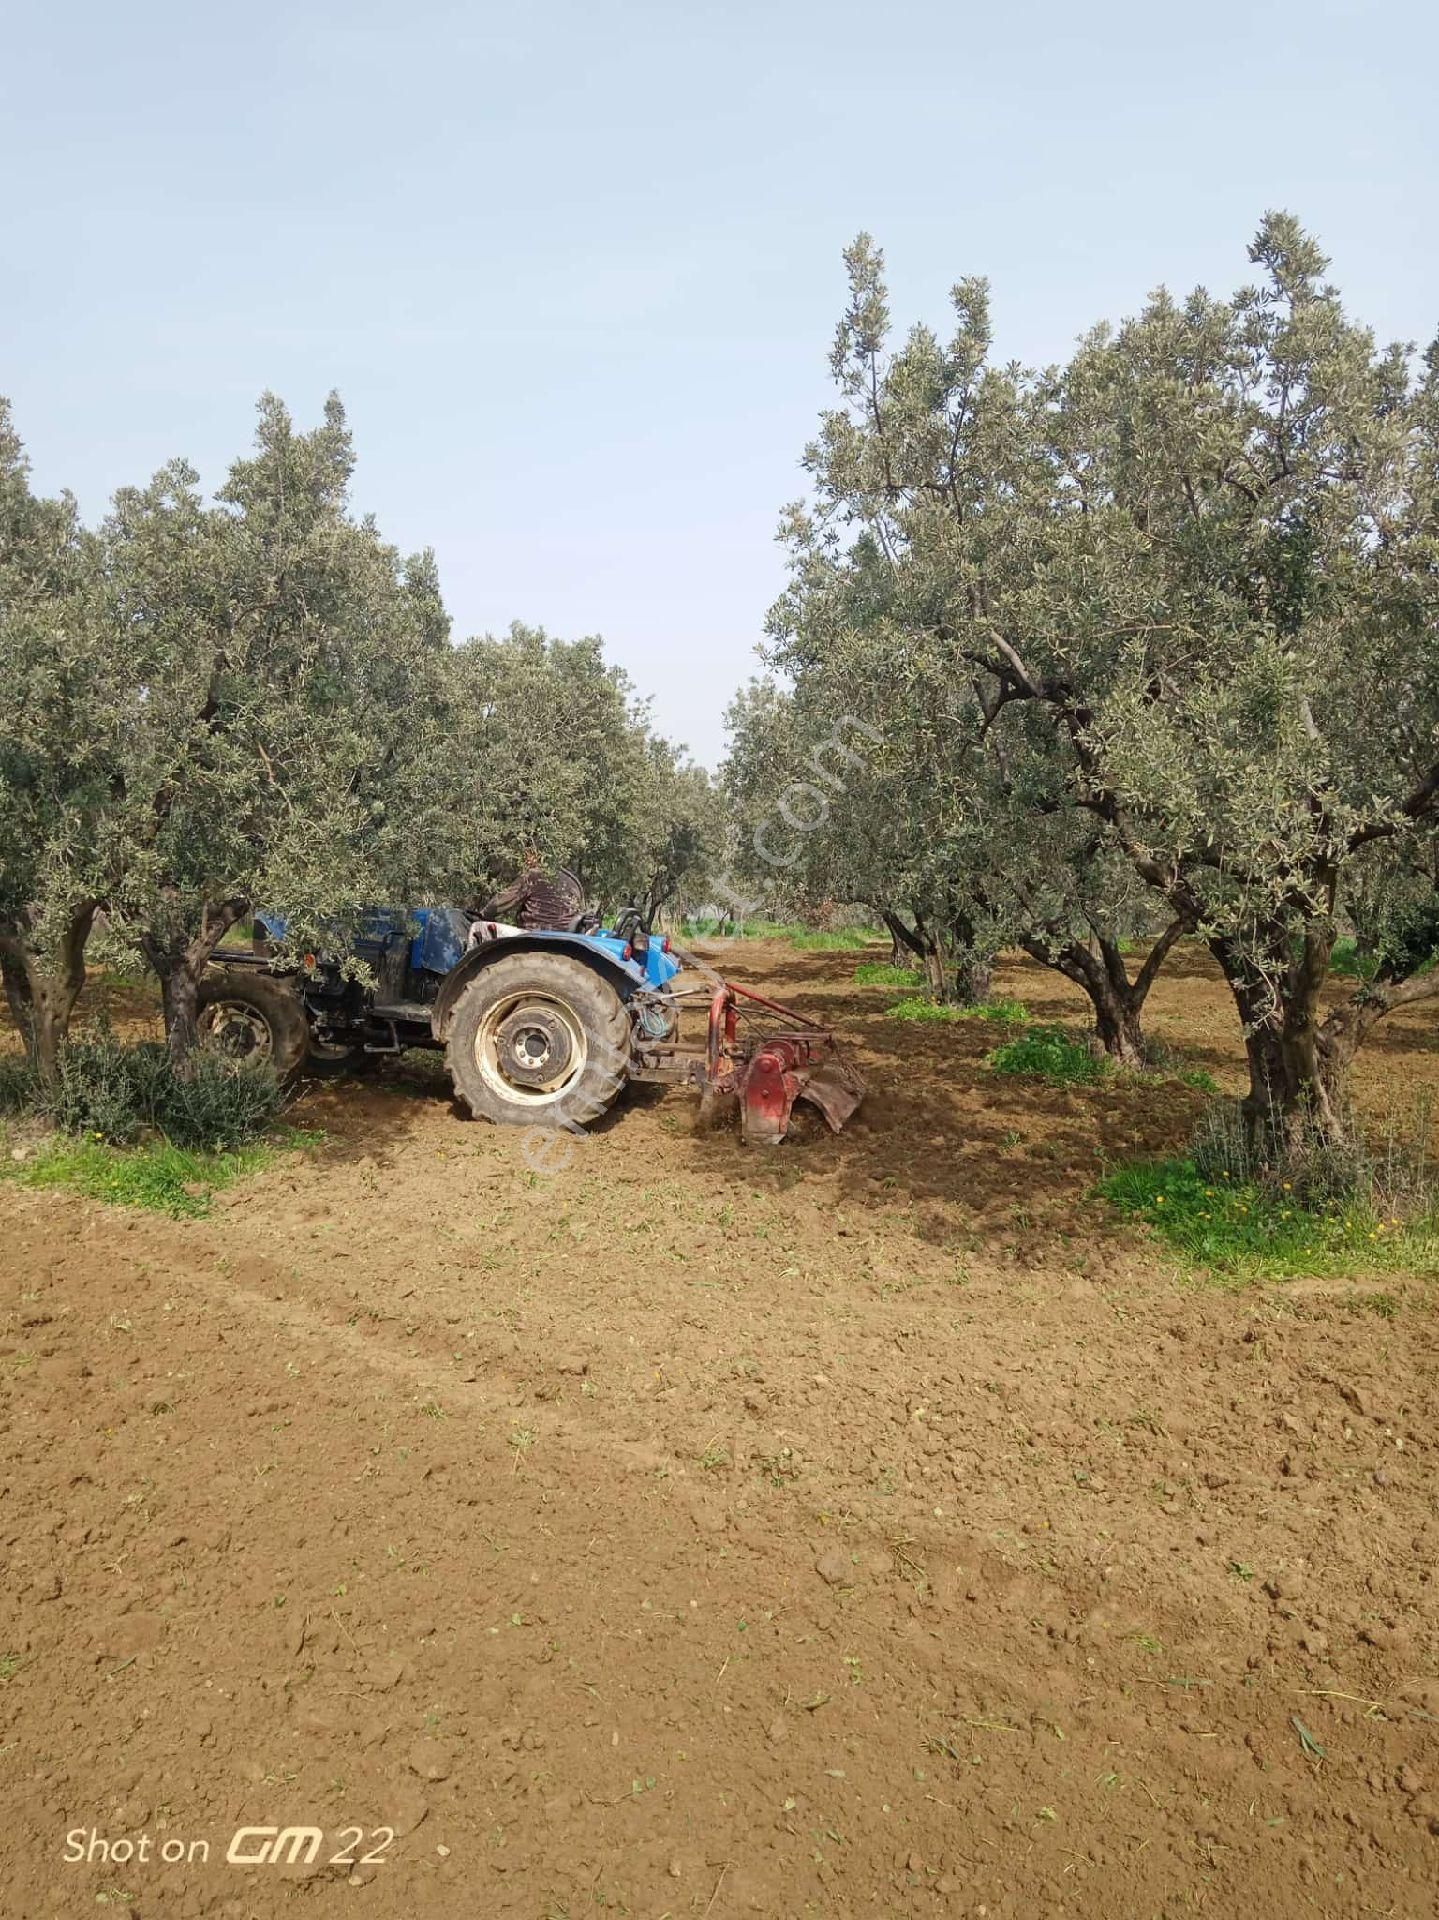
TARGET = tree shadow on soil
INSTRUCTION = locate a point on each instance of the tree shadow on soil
(975, 1157)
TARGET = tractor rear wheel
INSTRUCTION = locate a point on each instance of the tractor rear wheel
(539, 1039)
(253, 1019)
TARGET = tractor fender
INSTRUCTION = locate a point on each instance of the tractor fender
(622, 977)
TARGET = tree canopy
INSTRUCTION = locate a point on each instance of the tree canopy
(1158, 624)
(210, 705)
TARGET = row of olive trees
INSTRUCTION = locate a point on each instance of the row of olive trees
(1149, 644)
(206, 706)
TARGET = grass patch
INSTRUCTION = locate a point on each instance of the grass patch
(810, 939)
(1248, 1231)
(161, 1177)
(735, 930)
(840, 940)
(1049, 1054)
(1005, 1013)
(1350, 964)
(1197, 1078)
(879, 973)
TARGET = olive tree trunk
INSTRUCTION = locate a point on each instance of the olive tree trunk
(1118, 1002)
(921, 943)
(179, 964)
(1299, 1057)
(42, 986)
(973, 961)
(957, 966)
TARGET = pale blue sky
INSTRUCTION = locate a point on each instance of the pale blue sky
(575, 268)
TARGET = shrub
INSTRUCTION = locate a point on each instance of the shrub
(119, 1094)
(1385, 1172)
(17, 1083)
(1049, 1053)
(1007, 1013)
(105, 1090)
(218, 1105)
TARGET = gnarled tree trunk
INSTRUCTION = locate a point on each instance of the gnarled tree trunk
(973, 977)
(922, 943)
(179, 964)
(956, 966)
(1299, 1059)
(41, 987)
(1118, 1001)
(973, 962)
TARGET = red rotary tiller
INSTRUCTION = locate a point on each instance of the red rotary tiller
(759, 1056)
(768, 1071)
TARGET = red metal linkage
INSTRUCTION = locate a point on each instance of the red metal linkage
(772, 1072)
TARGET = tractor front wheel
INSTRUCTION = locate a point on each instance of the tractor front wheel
(252, 1018)
(539, 1039)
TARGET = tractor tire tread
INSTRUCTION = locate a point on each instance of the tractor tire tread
(275, 1001)
(601, 1011)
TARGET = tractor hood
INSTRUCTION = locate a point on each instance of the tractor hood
(656, 966)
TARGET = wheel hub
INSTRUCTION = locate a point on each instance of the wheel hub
(533, 1048)
(237, 1031)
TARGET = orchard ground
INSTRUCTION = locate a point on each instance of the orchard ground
(877, 1526)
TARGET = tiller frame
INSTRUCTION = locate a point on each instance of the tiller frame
(764, 1075)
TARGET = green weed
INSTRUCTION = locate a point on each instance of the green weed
(1350, 964)
(809, 939)
(837, 940)
(879, 973)
(1246, 1230)
(1051, 1054)
(882, 974)
(1005, 1013)
(1197, 1078)
(1384, 1305)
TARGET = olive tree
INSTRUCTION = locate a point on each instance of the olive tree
(293, 677)
(66, 702)
(681, 836)
(829, 811)
(973, 834)
(205, 707)
(552, 756)
(1202, 556)
(958, 849)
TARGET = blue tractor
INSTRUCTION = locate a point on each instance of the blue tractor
(539, 1026)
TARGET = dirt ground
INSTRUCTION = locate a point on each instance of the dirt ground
(874, 1527)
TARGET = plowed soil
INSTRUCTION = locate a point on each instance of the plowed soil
(876, 1526)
